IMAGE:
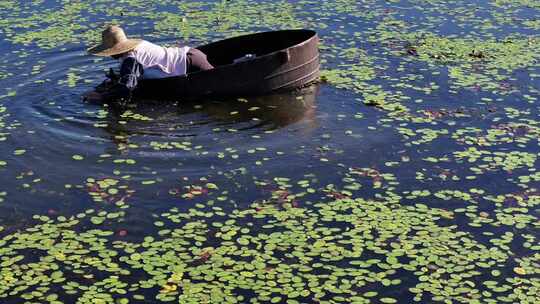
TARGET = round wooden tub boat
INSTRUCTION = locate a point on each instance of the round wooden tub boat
(283, 60)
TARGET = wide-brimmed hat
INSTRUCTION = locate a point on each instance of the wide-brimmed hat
(113, 42)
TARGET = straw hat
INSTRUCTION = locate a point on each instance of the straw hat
(113, 42)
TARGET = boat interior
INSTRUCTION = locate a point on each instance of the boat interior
(226, 51)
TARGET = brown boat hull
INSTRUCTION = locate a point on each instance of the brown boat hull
(284, 60)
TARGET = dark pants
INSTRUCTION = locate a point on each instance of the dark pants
(197, 61)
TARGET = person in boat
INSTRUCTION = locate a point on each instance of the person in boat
(140, 59)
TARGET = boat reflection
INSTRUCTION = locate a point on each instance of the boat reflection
(268, 112)
(265, 113)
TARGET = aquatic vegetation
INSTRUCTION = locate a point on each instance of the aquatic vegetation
(408, 174)
(199, 19)
(301, 254)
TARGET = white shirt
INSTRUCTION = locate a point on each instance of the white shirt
(158, 61)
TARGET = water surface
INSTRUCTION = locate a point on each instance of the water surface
(409, 173)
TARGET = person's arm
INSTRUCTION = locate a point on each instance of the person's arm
(130, 73)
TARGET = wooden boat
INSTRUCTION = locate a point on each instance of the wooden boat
(283, 60)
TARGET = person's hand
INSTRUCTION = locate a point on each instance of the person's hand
(93, 97)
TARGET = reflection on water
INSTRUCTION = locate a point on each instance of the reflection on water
(268, 112)
(272, 111)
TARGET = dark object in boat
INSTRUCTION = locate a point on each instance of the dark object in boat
(276, 61)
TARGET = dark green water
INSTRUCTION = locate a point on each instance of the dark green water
(409, 173)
